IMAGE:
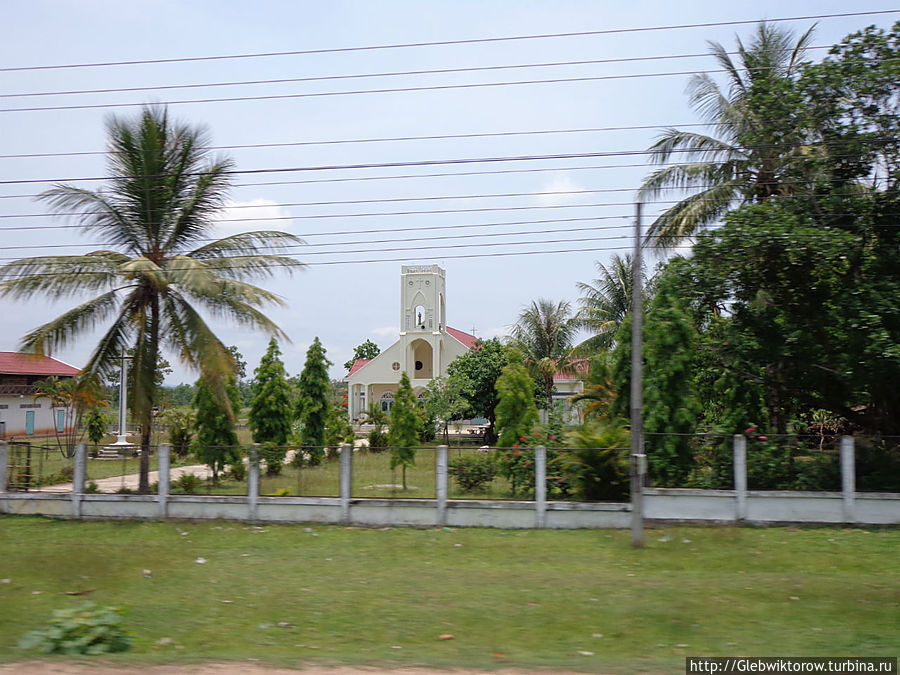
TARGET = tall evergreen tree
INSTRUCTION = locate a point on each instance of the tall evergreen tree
(217, 443)
(671, 406)
(406, 427)
(516, 410)
(314, 401)
(270, 409)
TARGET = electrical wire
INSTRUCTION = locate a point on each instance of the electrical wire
(442, 43)
(321, 78)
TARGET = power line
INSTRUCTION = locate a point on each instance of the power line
(354, 76)
(434, 162)
(395, 200)
(393, 139)
(441, 43)
(358, 92)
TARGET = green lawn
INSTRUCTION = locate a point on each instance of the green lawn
(581, 600)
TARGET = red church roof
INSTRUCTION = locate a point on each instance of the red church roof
(16, 363)
(359, 363)
(465, 338)
(580, 367)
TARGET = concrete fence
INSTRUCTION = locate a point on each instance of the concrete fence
(659, 505)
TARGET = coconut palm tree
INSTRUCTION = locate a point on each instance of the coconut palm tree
(161, 270)
(755, 152)
(543, 335)
(604, 304)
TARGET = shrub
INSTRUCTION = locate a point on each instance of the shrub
(597, 463)
(378, 441)
(87, 629)
(91, 488)
(188, 483)
(282, 492)
(473, 471)
(273, 455)
(238, 472)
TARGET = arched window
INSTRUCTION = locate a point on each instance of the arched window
(387, 401)
(419, 316)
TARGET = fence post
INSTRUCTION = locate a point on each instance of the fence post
(4, 466)
(163, 455)
(441, 485)
(346, 480)
(252, 484)
(78, 478)
(848, 478)
(540, 486)
(740, 476)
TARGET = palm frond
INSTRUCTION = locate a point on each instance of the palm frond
(97, 212)
(690, 146)
(60, 276)
(690, 214)
(58, 333)
(687, 176)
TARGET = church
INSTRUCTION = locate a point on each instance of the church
(426, 346)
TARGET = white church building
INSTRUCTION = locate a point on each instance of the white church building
(425, 348)
(427, 345)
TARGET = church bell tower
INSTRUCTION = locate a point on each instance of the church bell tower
(422, 299)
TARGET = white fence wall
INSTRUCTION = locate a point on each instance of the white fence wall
(659, 505)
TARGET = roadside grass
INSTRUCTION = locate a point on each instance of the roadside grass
(291, 595)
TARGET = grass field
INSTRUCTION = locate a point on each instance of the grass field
(585, 600)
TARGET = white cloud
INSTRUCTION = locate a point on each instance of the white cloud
(559, 189)
(256, 214)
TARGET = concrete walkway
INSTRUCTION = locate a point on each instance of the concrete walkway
(130, 481)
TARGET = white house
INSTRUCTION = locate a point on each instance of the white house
(427, 345)
(21, 413)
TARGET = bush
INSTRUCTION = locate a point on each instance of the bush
(598, 474)
(378, 441)
(87, 629)
(188, 483)
(273, 455)
(91, 488)
(473, 471)
(281, 492)
(238, 472)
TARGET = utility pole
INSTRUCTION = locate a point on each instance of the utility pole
(638, 458)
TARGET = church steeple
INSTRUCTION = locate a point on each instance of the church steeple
(422, 299)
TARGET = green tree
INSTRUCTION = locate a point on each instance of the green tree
(270, 410)
(543, 334)
(671, 406)
(180, 423)
(95, 424)
(216, 444)
(406, 427)
(73, 396)
(445, 401)
(314, 401)
(604, 304)
(160, 272)
(516, 410)
(475, 374)
(761, 147)
(367, 350)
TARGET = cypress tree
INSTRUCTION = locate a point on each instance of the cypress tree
(313, 402)
(216, 444)
(270, 409)
(406, 427)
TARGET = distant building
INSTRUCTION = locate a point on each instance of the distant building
(427, 345)
(425, 348)
(22, 413)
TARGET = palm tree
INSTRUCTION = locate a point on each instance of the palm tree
(543, 335)
(755, 154)
(604, 304)
(161, 270)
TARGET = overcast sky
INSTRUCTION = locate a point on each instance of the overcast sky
(338, 298)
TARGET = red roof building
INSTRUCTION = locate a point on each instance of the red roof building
(16, 363)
